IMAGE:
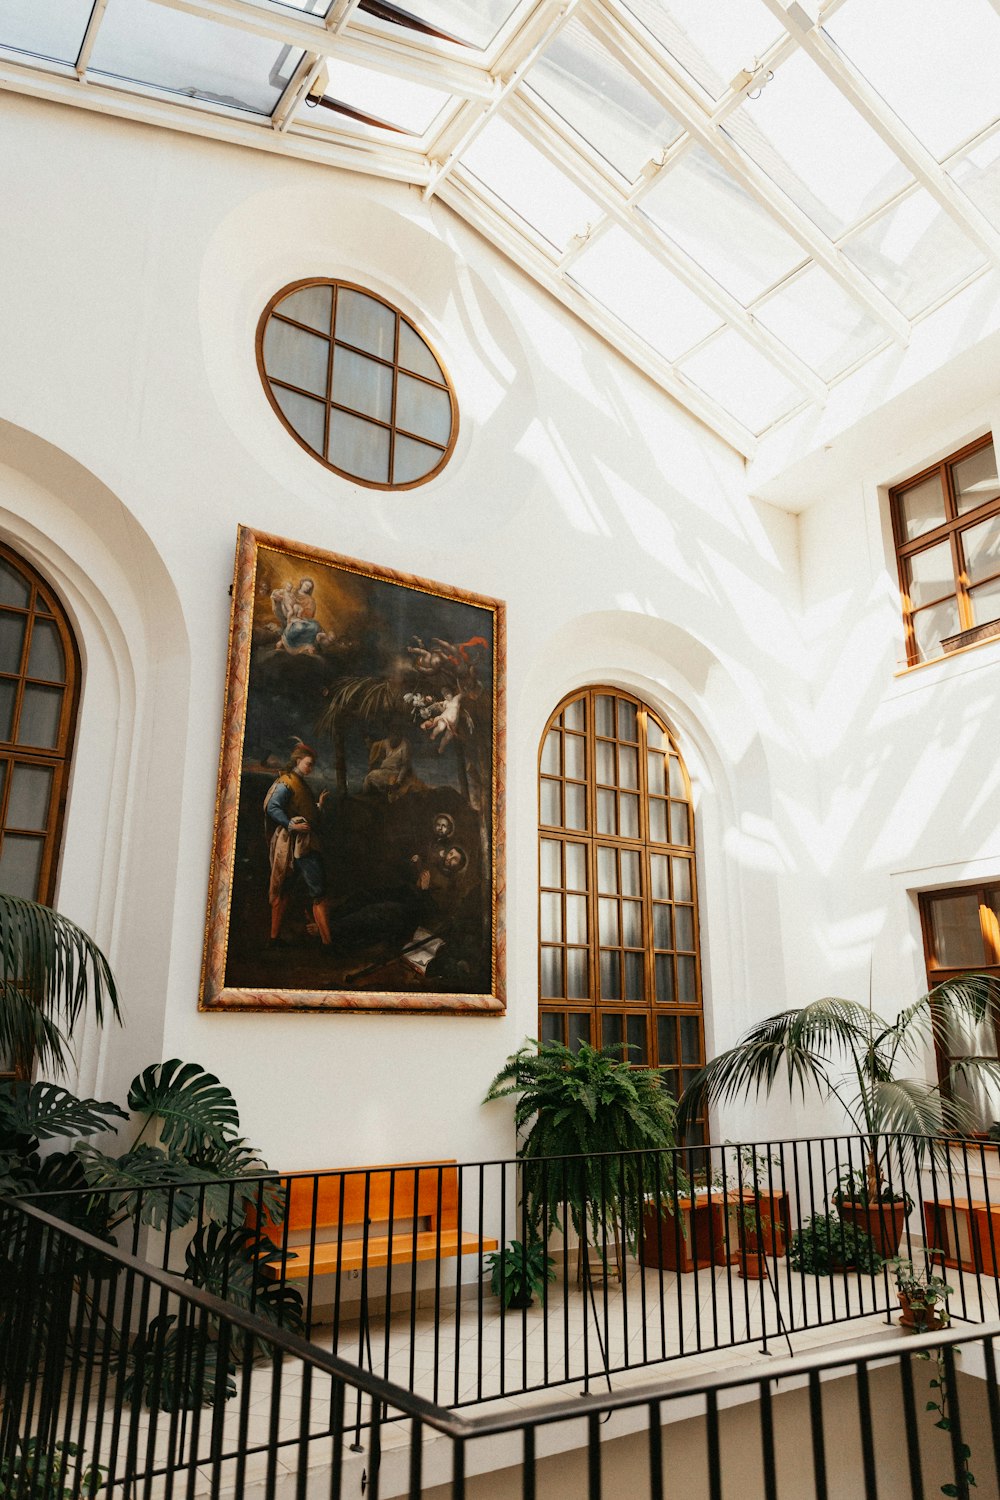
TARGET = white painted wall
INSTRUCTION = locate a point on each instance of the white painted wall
(137, 437)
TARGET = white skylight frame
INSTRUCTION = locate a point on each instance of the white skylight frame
(482, 83)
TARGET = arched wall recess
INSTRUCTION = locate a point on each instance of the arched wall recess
(126, 778)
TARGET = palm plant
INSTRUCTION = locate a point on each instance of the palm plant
(598, 1133)
(50, 973)
(806, 1047)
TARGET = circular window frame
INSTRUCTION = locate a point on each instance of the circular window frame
(265, 379)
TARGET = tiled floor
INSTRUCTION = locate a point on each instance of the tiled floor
(700, 1322)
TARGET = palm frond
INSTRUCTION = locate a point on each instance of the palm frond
(51, 972)
(360, 697)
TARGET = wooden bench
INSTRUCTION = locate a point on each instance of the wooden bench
(327, 1214)
(966, 1231)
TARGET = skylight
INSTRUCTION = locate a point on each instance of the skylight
(748, 199)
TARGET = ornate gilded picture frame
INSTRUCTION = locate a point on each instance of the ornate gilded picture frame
(358, 853)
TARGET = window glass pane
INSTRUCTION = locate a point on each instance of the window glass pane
(666, 1039)
(304, 415)
(550, 803)
(553, 1027)
(628, 727)
(933, 625)
(46, 28)
(682, 878)
(820, 322)
(608, 921)
(635, 988)
(605, 718)
(635, 1035)
(630, 873)
(658, 876)
(550, 753)
(690, 1039)
(551, 917)
(986, 602)
(40, 711)
(628, 767)
(12, 629)
(956, 934)
(629, 813)
(658, 822)
(914, 252)
(579, 1030)
(577, 979)
(601, 100)
(414, 354)
(30, 793)
(14, 589)
(684, 927)
(550, 862)
(712, 41)
(528, 182)
(606, 812)
(981, 545)
(677, 786)
(292, 355)
(932, 574)
(412, 460)
(365, 323)
(655, 737)
(606, 762)
(977, 172)
(574, 715)
(45, 659)
(610, 977)
(359, 447)
(664, 966)
(576, 867)
(312, 305)
(662, 931)
(423, 409)
(736, 374)
(576, 919)
(8, 691)
(687, 993)
(552, 972)
(20, 864)
(656, 774)
(922, 507)
(975, 479)
(679, 831)
(575, 753)
(632, 924)
(362, 384)
(612, 1031)
(576, 806)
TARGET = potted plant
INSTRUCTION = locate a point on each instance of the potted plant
(881, 1100)
(826, 1243)
(598, 1142)
(520, 1273)
(881, 1215)
(922, 1295)
(756, 1239)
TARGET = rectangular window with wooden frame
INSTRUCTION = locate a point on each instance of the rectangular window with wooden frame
(946, 524)
(961, 931)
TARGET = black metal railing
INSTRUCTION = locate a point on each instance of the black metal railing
(121, 1380)
(654, 1256)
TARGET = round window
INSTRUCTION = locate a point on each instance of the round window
(355, 383)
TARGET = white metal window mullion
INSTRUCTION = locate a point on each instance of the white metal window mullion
(644, 58)
(898, 137)
(493, 221)
(90, 37)
(583, 167)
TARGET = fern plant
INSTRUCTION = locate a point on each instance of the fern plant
(598, 1136)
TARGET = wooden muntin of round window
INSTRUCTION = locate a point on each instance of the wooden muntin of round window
(356, 384)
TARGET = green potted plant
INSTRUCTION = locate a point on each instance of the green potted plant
(922, 1294)
(598, 1138)
(826, 1243)
(880, 1214)
(804, 1047)
(756, 1239)
(521, 1272)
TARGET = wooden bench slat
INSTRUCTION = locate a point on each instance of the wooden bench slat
(328, 1257)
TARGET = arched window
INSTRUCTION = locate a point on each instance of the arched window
(39, 689)
(618, 921)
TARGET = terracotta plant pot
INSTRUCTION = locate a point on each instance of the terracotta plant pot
(753, 1267)
(882, 1222)
(922, 1319)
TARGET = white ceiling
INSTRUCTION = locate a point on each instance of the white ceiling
(750, 199)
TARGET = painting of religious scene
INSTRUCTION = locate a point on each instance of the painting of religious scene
(357, 860)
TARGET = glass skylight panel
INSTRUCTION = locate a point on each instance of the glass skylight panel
(643, 294)
(474, 21)
(45, 28)
(807, 137)
(937, 65)
(169, 49)
(702, 208)
(713, 39)
(914, 252)
(410, 106)
(742, 380)
(977, 173)
(580, 79)
(820, 323)
(528, 183)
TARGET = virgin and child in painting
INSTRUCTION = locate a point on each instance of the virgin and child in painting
(365, 837)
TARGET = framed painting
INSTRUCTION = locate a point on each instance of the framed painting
(358, 858)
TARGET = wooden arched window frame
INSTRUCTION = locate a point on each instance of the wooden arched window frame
(619, 952)
(39, 696)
